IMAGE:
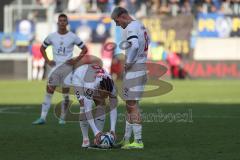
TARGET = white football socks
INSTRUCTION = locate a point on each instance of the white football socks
(137, 131)
(128, 131)
(64, 106)
(46, 105)
(84, 124)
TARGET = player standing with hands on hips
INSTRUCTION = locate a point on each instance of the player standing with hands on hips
(62, 42)
(136, 36)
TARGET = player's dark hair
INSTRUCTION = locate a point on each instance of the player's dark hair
(107, 84)
(62, 15)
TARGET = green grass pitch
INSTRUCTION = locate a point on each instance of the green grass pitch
(197, 120)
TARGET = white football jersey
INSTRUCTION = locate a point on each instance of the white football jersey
(62, 45)
(136, 30)
(88, 76)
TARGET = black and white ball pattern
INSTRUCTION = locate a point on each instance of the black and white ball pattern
(106, 140)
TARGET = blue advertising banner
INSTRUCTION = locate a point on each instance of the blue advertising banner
(13, 42)
(25, 30)
(94, 28)
(218, 25)
(7, 42)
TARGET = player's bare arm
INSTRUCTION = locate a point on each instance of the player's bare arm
(49, 62)
(74, 60)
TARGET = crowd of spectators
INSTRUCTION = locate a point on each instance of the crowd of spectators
(149, 7)
(139, 8)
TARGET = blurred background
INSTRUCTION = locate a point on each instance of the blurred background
(195, 39)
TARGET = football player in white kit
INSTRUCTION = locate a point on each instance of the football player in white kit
(93, 84)
(136, 36)
(62, 42)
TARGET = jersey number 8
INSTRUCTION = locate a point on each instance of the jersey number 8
(146, 41)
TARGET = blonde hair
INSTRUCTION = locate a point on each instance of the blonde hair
(118, 11)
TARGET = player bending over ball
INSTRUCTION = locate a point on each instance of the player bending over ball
(93, 84)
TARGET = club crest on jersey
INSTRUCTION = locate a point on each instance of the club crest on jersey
(89, 93)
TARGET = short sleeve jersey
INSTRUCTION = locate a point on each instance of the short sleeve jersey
(136, 30)
(88, 78)
(62, 45)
